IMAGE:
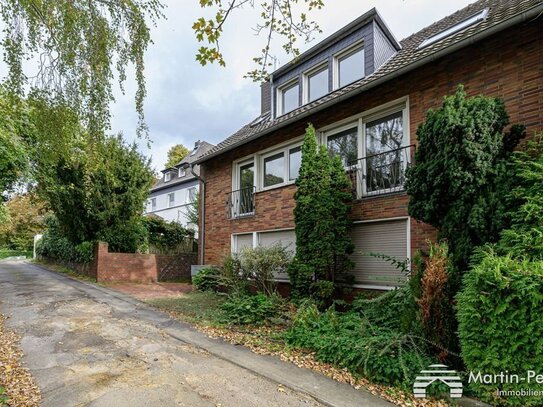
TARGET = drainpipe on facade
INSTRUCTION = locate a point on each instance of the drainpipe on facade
(201, 227)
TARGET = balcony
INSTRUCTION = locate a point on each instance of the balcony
(382, 173)
(241, 203)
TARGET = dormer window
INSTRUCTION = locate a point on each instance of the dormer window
(288, 97)
(182, 172)
(316, 83)
(167, 177)
(349, 65)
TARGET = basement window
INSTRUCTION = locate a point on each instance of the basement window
(474, 19)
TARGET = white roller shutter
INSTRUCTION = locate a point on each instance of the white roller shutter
(241, 241)
(387, 237)
(287, 239)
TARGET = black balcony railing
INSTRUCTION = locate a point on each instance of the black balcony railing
(241, 203)
(381, 173)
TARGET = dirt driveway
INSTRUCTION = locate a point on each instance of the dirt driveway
(153, 290)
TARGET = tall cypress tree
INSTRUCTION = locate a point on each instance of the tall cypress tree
(321, 218)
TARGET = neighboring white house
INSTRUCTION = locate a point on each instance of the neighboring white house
(172, 194)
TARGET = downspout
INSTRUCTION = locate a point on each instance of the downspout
(201, 230)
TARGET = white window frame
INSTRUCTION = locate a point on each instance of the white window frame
(279, 95)
(236, 181)
(286, 168)
(171, 203)
(167, 176)
(256, 241)
(182, 172)
(256, 158)
(394, 106)
(153, 204)
(351, 49)
(188, 200)
(311, 72)
(331, 133)
(408, 254)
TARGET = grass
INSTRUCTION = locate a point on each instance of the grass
(3, 397)
(195, 307)
(64, 270)
(5, 253)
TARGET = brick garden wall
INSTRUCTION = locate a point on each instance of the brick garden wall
(508, 65)
(138, 268)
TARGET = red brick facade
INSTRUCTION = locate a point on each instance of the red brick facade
(137, 268)
(508, 65)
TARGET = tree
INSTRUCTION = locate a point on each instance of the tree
(193, 210)
(79, 47)
(14, 128)
(176, 154)
(277, 18)
(96, 189)
(457, 184)
(321, 221)
(25, 219)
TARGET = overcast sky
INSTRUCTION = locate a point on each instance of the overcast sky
(187, 102)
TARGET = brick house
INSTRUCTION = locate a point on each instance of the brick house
(366, 94)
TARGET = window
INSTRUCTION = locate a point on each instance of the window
(374, 148)
(274, 170)
(385, 159)
(349, 66)
(153, 204)
(474, 19)
(316, 84)
(167, 177)
(171, 200)
(182, 172)
(389, 237)
(344, 144)
(295, 161)
(241, 241)
(289, 98)
(191, 195)
(286, 238)
(281, 167)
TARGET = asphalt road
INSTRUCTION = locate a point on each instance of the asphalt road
(90, 346)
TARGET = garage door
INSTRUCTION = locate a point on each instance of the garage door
(387, 237)
(287, 239)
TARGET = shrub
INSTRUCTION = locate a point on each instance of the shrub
(350, 341)
(436, 303)
(166, 237)
(207, 279)
(243, 309)
(396, 310)
(461, 172)
(524, 239)
(500, 315)
(260, 264)
(54, 245)
(321, 217)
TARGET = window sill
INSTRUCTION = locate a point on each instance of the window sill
(270, 188)
(243, 216)
(381, 195)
